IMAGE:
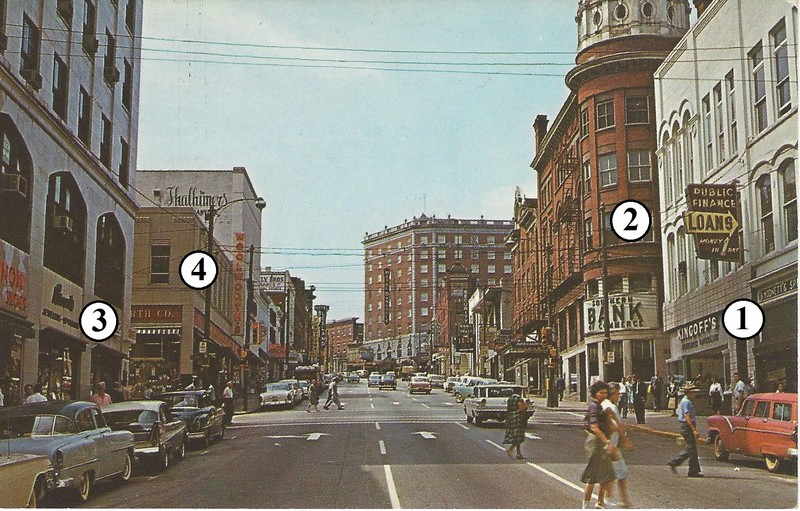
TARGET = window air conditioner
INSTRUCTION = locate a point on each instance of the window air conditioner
(63, 222)
(14, 183)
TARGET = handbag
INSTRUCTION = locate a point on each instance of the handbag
(671, 402)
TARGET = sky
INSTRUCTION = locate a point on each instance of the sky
(353, 115)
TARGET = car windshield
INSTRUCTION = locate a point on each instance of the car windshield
(29, 426)
(419, 379)
(126, 418)
(502, 392)
(275, 387)
(184, 401)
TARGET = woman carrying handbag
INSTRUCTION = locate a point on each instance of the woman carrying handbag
(672, 396)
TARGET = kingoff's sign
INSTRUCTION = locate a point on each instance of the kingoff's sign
(699, 333)
(713, 219)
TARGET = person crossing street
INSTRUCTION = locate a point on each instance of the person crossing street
(688, 424)
(333, 394)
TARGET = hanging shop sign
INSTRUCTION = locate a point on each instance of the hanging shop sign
(387, 298)
(62, 303)
(277, 350)
(272, 282)
(14, 272)
(238, 282)
(714, 220)
(699, 334)
(626, 312)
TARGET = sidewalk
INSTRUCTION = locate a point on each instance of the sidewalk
(252, 404)
(656, 423)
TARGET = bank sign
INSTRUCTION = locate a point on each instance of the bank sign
(713, 219)
(626, 312)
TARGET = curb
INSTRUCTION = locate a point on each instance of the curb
(658, 432)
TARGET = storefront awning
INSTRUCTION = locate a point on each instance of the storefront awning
(17, 326)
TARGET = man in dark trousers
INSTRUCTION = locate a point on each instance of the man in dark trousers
(657, 386)
(116, 393)
(688, 423)
(639, 398)
(560, 384)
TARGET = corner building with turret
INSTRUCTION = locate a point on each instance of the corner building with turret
(598, 153)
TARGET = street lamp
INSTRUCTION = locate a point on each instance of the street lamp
(211, 216)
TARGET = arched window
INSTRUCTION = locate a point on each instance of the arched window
(65, 228)
(16, 185)
(764, 187)
(671, 255)
(109, 273)
(683, 264)
(677, 162)
(789, 199)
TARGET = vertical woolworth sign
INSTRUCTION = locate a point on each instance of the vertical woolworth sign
(238, 282)
(713, 219)
(387, 300)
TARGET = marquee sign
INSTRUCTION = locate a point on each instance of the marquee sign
(714, 220)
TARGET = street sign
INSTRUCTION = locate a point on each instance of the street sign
(202, 348)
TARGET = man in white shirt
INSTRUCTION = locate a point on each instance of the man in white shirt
(227, 402)
(33, 397)
(738, 393)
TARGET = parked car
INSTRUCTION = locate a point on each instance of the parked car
(26, 478)
(388, 381)
(204, 421)
(353, 377)
(159, 437)
(419, 384)
(766, 427)
(467, 387)
(75, 437)
(362, 373)
(277, 394)
(304, 384)
(297, 391)
(491, 402)
(437, 381)
(451, 382)
(374, 380)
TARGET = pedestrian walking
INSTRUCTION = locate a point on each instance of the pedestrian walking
(101, 398)
(672, 395)
(738, 393)
(333, 394)
(598, 447)
(619, 439)
(639, 398)
(516, 423)
(560, 386)
(314, 390)
(623, 398)
(227, 403)
(630, 388)
(657, 385)
(688, 424)
(715, 391)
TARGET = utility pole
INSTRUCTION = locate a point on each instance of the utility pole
(606, 324)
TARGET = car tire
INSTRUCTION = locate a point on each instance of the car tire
(125, 475)
(469, 419)
(459, 398)
(720, 453)
(84, 488)
(773, 463)
(182, 449)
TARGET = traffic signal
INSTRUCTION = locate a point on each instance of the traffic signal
(544, 335)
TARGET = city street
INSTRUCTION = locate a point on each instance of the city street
(387, 449)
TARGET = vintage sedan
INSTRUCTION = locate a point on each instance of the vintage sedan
(204, 421)
(294, 386)
(277, 394)
(419, 384)
(491, 402)
(374, 380)
(467, 387)
(75, 437)
(766, 427)
(159, 437)
(388, 381)
(25, 479)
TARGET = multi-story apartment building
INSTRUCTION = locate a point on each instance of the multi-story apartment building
(414, 256)
(726, 102)
(69, 96)
(599, 153)
(341, 333)
(168, 316)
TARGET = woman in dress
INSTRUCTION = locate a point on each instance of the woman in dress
(313, 396)
(599, 448)
(618, 436)
(516, 422)
(715, 391)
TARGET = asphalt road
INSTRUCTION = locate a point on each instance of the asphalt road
(387, 449)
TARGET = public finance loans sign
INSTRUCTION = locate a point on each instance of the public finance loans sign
(626, 312)
(713, 219)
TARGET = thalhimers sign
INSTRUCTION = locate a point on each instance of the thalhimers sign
(626, 312)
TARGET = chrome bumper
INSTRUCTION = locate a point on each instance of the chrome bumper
(196, 434)
(792, 452)
(147, 451)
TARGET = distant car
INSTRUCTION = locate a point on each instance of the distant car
(297, 391)
(466, 388)
(353, 378)
(766, 427)
(419, 384)
(362, 373)
(304, 384)
(159, 437)
(388, 381)
(451, 382)
(491, 402)
(74, 436)
(374, 380)
(437, 381)
(26, 478)
(277, 394)
(204, 421)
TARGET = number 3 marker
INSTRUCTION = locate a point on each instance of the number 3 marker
(99, 321)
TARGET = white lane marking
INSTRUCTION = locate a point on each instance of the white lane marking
(392, 490)
(413, 399)
(496, 445)
(372, 406)
(395, 403)
(382, 446)
(577, 414)
(285, 436)
(449, 404)
(532, 436)
(426, 406)
(370, 399)
(316, 436)
(425, 434)
(377, 426)
(558, 478)
(463, 426)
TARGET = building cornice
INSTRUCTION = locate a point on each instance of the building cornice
(614, 64)
(559, 128)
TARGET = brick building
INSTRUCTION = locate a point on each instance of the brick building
(341, 334)
(415, 256)
(598, 153)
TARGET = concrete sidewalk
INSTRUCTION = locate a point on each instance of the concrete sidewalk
(660, 423)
